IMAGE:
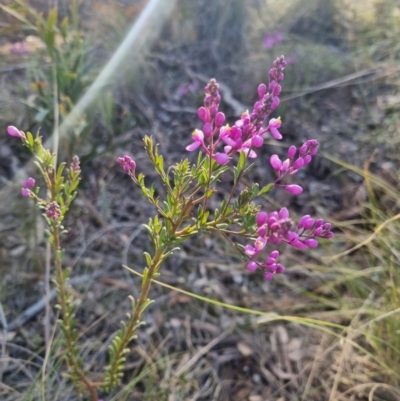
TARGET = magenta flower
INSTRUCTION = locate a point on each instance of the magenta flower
(247, 133)
(273, 126)
(25, 192)
(293, 189)
(292, 164)
(198, 140)
(27, 186)
(15, 132)
(277, 227)
(127, 164)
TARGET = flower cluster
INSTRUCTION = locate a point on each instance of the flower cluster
(53, 211)
(277, 227)
(27, 186)
(248, 132)
(127, 164)
(292, 164)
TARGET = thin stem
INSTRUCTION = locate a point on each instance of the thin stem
(137, 313)
(65, 317)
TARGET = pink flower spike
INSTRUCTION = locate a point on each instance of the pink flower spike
(261, 218)
(252, 266)
(293, 189)
(221, 158)
(15, 132)
(25, 192)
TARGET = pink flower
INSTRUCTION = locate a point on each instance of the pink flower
(25, 192)
(198, 140)
(15, 132)
(27, 186)
(127, 164)
(293, 189)
(273, 126)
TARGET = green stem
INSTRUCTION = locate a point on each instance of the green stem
(72, 362)
(137, 313)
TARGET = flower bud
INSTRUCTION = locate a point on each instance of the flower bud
(207, 130)
(15, 132)
(221, 158)
(298, 163)
(275, 103)
(219, 119)
(261, 218)
(252, 266)
(293, 189)
(292, 152)
(262, 89)
(276, 163)
(25, 192)
(257, 141)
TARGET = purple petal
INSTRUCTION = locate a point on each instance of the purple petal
(293, 189)
(249, 250)
(193, 146)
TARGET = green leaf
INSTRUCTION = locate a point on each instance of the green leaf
(148, 258)
(52, 18)
(265, 189)
(242, 161)
(60, 171)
